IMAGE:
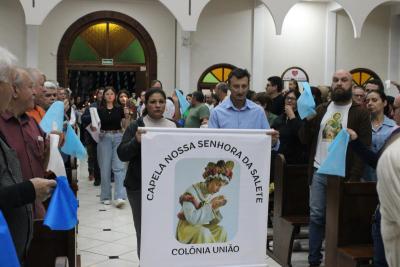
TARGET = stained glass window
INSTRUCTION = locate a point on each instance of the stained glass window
(214, 74)
(107, 40)
(361, 76)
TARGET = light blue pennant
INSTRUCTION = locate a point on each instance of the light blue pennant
(73, 145)
(54, 116)
(306, 102)
(335, 162)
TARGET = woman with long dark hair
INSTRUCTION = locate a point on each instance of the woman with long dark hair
(288, 124)
(130, 150)
(382, 129)
(113, 121)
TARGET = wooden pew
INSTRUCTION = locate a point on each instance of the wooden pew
(291, 208)
(47, 246)
(349, 210)
(54, 248)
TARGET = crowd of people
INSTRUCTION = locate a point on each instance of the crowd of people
(371, 118)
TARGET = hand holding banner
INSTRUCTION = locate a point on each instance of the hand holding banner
(8, 255)
(335, 162)
(94, 116)
(306, 103)
(63, 207)
(54, 115)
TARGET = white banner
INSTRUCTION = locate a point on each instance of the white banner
(204, 197)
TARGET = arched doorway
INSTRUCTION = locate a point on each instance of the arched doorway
(106, 48)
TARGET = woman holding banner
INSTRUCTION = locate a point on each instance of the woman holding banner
(199, 217)
(130, 150)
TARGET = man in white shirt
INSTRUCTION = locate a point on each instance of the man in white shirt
(318, 132)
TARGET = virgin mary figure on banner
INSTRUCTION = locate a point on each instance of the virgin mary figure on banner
(200, 216)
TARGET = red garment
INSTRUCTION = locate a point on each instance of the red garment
(28, 140)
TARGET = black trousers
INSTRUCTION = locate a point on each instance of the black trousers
(135, 200)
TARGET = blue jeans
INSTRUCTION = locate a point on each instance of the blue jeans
(379, 251)
(317, 217)
(108, 160)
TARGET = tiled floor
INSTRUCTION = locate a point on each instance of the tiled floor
(105, 231)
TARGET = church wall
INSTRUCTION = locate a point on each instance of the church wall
(224, 35)
(153, 16)
(371, 50)
(13, 29)
(301, 43)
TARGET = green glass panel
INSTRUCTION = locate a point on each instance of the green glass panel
(133, 54)
(210, 78)
(80, 51)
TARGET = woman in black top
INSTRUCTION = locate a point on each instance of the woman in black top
(288, 125)
(112, 118)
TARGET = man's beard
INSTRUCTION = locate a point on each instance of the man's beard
(341, 96)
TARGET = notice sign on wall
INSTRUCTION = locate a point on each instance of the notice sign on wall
(204, 197)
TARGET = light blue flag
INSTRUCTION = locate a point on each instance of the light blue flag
(73, 145)
(335, 162)
(183, 103)
(306, 103)
(62, 213)
(54, 115)
(8, 255)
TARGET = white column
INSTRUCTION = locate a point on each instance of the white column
(394, 51)
(183, 60)
(330, 46)
(32, 46)
(258, 46)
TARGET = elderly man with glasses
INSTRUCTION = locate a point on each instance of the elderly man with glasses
(16, 192)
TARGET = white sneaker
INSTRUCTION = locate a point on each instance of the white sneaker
(119, 203)
(106, 202)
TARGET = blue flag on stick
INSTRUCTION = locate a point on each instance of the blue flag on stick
(63, 207)
(73, 146)
(183, 103)
(54, 115)
(306, 103)
(335, 162)
(8, 255)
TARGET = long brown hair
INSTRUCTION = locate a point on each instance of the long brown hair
(103, 103)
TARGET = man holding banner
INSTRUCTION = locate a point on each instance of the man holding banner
(319, 131)
(238, 112)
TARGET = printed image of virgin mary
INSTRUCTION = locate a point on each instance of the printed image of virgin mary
(200, 217)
